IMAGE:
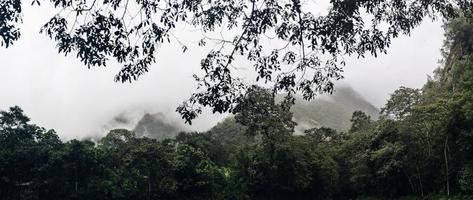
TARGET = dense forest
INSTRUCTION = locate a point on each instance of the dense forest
(421, 147)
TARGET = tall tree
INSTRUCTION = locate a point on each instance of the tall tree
(24, 150)
(401, 102)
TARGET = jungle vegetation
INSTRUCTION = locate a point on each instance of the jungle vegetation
(420, 147)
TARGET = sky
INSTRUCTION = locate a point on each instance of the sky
(59, 92)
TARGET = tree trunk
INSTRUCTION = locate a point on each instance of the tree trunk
(149, 190)
(149, 185)
(447, 182)
(420, 181)
(75, 180)
(410, 182)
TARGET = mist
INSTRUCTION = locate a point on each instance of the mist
(60, 93)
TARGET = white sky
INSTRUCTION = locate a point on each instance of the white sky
(59, 92)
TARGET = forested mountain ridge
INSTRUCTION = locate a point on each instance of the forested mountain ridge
(332, 111)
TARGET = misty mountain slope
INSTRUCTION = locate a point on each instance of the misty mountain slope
(333, 111)
(156, 126)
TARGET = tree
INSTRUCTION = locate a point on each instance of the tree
(151, 166)
(263, 117)
(213, 147)
(121, 176)
(24, 150)
(323, 134)
(197, 177)
(78, 166)
(401, 101)
(466, 179)
(308, 56)
(360, 122)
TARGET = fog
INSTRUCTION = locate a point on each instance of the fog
(60, 93)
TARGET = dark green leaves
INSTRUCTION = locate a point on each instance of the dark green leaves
(10, 17)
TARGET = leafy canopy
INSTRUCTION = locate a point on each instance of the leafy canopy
(307, 56)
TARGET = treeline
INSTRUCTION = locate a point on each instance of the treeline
(421, 147)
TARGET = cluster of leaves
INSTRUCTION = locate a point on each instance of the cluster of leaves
(401, 102)
(309, 57)
(10, 17)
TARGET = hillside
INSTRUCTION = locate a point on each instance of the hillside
(156, 126)
(333, 111)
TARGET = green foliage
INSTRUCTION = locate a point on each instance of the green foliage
(466, 179)
(359, 122)
(401, 102)
(420, 148)
(35, 164)
(197, 177)
(262, 115)
(24, 151)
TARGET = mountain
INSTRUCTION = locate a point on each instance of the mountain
(333, 111)
(156, 126)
